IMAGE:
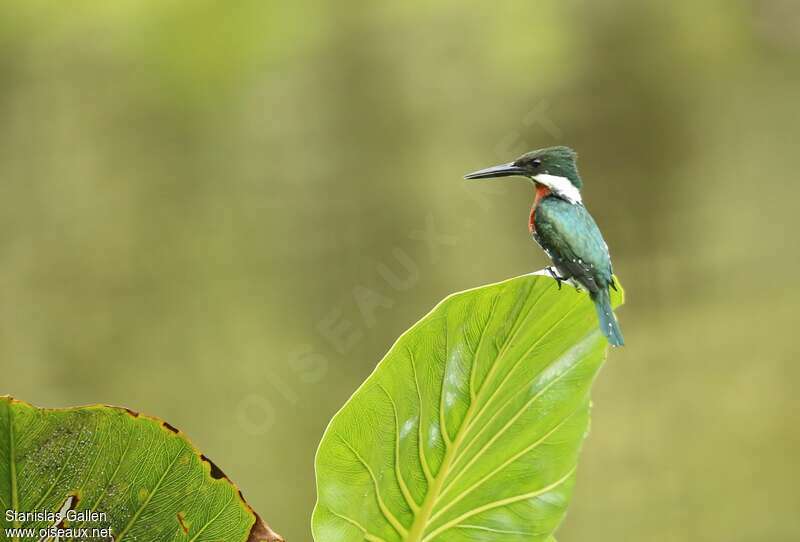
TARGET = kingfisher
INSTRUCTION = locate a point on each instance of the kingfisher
(565, 230)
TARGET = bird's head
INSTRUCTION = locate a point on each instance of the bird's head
(553, 167)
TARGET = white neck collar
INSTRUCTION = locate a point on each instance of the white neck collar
(560, 186)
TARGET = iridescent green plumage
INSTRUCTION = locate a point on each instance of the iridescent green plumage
(564, 228)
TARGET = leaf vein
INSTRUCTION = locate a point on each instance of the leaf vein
(141, 508)
(442, 418)
(55, 481)
(498, 531)
(12, 463)
(367, 535)
(496, 504)
(212, 520)
(506, 463)
(113, 475)
(412, 504)
(514, 367)
(381, 505)
(472, 393)
(426, 469)
(510, 422)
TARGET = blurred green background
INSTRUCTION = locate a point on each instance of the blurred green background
(223, 213)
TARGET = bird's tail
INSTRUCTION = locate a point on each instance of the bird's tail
(608, 322)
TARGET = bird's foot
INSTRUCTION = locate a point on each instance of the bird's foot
(559, 280)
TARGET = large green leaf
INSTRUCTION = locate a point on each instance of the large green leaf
(470, 427)
(144, 477)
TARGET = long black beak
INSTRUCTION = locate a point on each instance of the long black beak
(503, 170)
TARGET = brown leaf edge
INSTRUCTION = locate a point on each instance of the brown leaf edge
(259, 532)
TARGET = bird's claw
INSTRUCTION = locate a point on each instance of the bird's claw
(553, 274)
(560, 280)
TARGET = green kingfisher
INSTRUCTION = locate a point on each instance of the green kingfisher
(564, 228)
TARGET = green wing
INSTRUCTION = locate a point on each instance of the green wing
(572, 239)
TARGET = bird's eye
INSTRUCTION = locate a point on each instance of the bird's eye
(536, 162)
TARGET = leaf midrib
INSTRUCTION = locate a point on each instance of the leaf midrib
(421, 521)
(417, 531)
(12, 459)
